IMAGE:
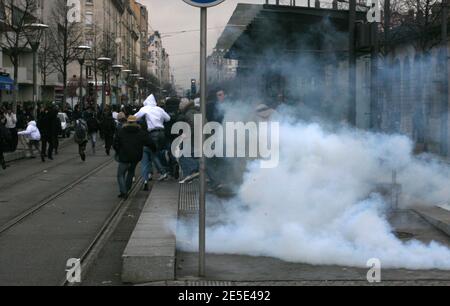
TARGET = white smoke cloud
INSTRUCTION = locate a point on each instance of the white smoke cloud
(319, 205)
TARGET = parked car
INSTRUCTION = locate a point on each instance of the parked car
(66, 127)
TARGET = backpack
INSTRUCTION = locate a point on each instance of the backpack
(92, 124)
(80, 132)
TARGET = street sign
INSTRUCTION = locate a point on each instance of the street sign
(203, 3)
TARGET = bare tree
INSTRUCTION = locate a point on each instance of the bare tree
(421, 19)
(65, 36)
(46, 65)
(18, 13)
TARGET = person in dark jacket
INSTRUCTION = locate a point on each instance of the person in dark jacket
(129, 145)
(58, 131)
(47, 127)
(189, 164)
(4, 141)
(108, 129)
(93, 128)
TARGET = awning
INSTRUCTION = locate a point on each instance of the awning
(6, 83)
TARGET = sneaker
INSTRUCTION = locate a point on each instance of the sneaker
(163, 177)
(145, 186)
(122, 196)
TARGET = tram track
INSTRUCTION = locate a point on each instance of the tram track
(89, 255)
(36, 207)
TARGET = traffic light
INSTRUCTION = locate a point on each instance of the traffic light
(193, 88)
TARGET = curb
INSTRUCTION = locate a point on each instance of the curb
(436, 216)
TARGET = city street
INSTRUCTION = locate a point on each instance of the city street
(224, 143)
(77, 199)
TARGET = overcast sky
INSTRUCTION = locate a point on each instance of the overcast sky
(169, 16)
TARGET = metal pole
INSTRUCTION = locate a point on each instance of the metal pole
(352, 64)
(103, 89)
(444, 111)
(375, 113)
(118, 99)
(35, 86)
(202, 198)
(80, 98)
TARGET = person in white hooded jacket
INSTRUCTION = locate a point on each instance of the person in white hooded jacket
(155, 118)
(33, 135)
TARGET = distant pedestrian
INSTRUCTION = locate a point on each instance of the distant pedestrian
(33, 135)
(46, 125)
(129, 145)
(5, 139)
(108, 128)
(93, 128)
(11, 125)
(81, 137)
(58, 131)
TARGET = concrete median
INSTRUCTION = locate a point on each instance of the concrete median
(150, 253)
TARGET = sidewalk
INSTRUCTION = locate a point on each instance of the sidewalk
(169, 202)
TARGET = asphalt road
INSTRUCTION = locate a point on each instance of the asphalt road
(35, 251)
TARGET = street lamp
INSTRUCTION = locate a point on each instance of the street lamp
(140, 85)
(81, 59)
(34, 32)
(127, 76)
(134, 78)
(104, 66)
(117, 69)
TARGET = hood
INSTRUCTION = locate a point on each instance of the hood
(150, 101)
(32, 123)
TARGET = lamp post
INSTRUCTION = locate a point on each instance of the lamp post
(134, 78)
(34, 33)
(127, 77)
(117, 69)
(104, 66)
(81, 59)
(140, 85)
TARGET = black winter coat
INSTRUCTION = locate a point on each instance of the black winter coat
(130, 142)
(47, 124)
(108, 126)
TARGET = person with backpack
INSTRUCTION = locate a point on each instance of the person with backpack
(93, 128)
(81, 137)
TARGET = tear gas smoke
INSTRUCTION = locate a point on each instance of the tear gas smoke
(319, 206)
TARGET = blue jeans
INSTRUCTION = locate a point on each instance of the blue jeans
(148, 159)
(146, 164)
(189, 165)
(125, 174)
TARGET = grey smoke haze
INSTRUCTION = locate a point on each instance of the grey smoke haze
(321, 205)
(169, 16)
